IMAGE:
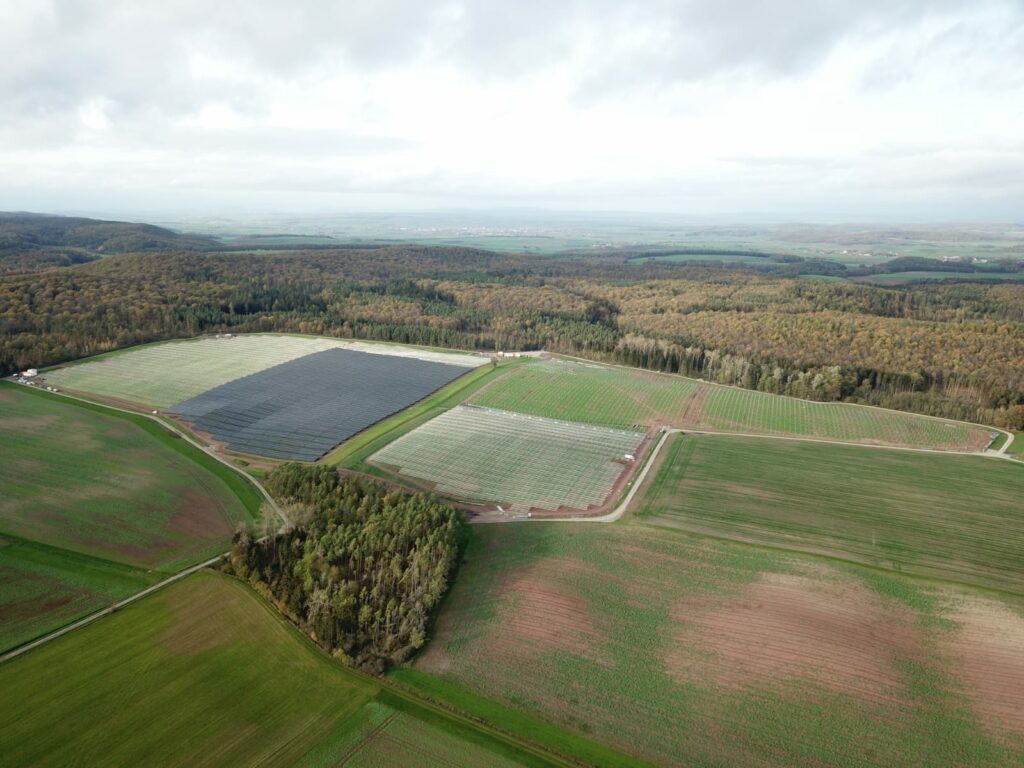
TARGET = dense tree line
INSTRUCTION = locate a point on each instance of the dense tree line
(363, 571)
(953, 349)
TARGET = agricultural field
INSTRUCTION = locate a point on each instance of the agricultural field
(98, 485)
(710, 255)
(590, 393)
(687, 650)
(944, 516)
(203, 673)
(728, 409)
(42, 588)
(629, 398)
(96, 507)
(381, 736)
(301, 409)
(521, 462)
(161, 375)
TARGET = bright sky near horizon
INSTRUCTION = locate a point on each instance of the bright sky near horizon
(809, 108)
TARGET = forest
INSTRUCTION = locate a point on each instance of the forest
(364, 568)
(30, 242)
(946, 349)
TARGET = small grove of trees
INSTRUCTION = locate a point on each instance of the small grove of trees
(364, 574)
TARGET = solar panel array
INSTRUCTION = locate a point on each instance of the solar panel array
(303, 408)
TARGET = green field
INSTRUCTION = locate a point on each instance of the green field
(711, 256)
(205, 674)
(510, 459)
(952, 517)
(98, 485)
(96, 505)
(161, 375)
(729, 409)
(379, 736)
(590, 393)
(42, 588)
(630, 398)
(691, 651)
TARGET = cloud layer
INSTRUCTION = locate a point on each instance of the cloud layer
(804, 109)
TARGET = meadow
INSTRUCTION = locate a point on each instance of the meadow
(203, 673)
(943, 516)
(692, 651)
(518, 461)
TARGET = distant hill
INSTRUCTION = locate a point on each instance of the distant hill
(31, 241)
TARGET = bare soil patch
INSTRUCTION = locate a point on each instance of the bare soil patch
(810, 628)
(979, 441)
(988, 653)
(201, 517)
(694, 412)
(11, 424)
(538, 611)
(25, 609)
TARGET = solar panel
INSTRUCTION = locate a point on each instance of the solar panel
(303, 408)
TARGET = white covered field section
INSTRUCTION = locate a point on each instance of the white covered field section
(518, 461)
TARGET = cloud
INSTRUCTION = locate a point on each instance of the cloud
(657, 103)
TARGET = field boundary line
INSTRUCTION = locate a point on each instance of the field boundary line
(620, 510)
(829, 441)
(373, 734)
(106, 611)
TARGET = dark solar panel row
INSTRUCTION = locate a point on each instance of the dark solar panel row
(303, 408)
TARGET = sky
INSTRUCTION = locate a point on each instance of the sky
(804, 110)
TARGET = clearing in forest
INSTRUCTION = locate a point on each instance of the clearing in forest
(91, 502)
(947, 516)
(521, 462)
(203, 673)
(692, 651)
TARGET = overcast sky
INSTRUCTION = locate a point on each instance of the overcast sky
(844, 109)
